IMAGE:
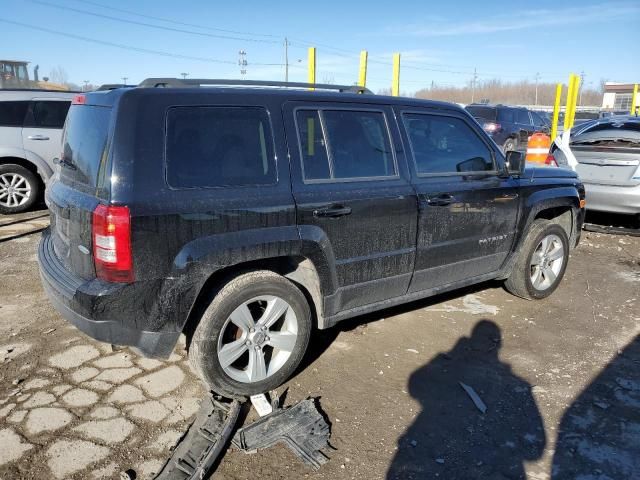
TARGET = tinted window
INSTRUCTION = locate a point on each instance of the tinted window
(85, 144)
(219, 146)
(485, 113)
(507, 115)
(523, 117)
(358, 145)
(315, 161)
(445, 145)
(12, 113)
(48, 114)
(538, 120)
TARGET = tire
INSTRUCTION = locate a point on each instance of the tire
(217, 339)
(509, 145)
(531, 282)
(19, 189)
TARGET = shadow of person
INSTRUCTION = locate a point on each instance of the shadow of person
(451, 438)
(599, 435)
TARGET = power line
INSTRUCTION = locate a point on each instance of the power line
(151, 25)
(175, 22)
(117, 45)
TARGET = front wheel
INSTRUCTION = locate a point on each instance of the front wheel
(252, 336)
(541, 261)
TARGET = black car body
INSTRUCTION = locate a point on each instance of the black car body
(203, 184)
(510, 127)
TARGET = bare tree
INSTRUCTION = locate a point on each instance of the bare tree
(59, 75)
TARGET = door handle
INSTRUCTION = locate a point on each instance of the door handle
(441, 200)
(332, 211)
(38, 137)
(506, 197)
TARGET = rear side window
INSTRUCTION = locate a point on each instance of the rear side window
(85, 144)
(12, 113)
(445, 145)
(523, 117)
(47, 114)
(507, 115)
(219, 146)
(344, 144)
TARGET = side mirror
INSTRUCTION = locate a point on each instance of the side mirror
(515, 163)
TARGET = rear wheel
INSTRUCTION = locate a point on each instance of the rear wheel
(252, 336)
(541, 263)
(510, 145)
(19, 188)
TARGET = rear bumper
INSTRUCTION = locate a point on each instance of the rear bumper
(610, 198)
(78, 301)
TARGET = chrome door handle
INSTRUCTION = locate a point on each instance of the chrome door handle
(37, 137)
(441, 200)
(333, 211)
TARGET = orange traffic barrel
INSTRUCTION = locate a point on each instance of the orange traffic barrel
(538, 147)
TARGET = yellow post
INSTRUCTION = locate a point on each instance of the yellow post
(634, 99)
(567, 110)
(574, 100)
(312, 66)
(556, 112)
(362, 74)
(395, 85)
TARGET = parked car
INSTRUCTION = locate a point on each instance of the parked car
(510, 127)
(606, 155)
(31, 124)
(245, 217)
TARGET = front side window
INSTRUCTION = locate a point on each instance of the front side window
(219, 146)
(51, 114)
(344, 144)
(445, 145)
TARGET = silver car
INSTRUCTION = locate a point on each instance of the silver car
(31, 124)
(606, 155)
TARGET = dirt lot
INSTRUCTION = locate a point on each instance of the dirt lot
(559, 379)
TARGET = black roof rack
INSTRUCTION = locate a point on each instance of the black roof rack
(198, 82)
(112, 86)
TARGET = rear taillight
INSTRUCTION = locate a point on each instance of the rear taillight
(491, 127)
(111, 234)
(79, 100)
(551, 160)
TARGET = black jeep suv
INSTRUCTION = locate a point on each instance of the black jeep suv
(510, 127)
(245, 217)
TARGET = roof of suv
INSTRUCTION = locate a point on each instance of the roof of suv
(111, 97)
(28, 94)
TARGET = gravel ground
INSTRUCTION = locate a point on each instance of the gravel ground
(559, 379)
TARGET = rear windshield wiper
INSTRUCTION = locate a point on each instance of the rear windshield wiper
(65, 163)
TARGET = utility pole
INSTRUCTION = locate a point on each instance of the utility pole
(242, 61)
(582, 75)
(184, 75)
(286, 59)
(537, 78)
(124, 80)
(86, 85)
(473, 84)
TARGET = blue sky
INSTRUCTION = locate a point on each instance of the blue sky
(440, 42)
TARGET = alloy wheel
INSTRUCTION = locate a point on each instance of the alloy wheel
(546, 262)
(257, 339)
(15, 190)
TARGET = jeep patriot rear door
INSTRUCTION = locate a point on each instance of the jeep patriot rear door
(467, 212)
(353, 198)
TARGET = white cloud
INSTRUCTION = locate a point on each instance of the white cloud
(525, 19)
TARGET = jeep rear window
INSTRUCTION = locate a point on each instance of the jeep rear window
(84, 143)
(12, 113)
(485, 113)
(218, 147)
